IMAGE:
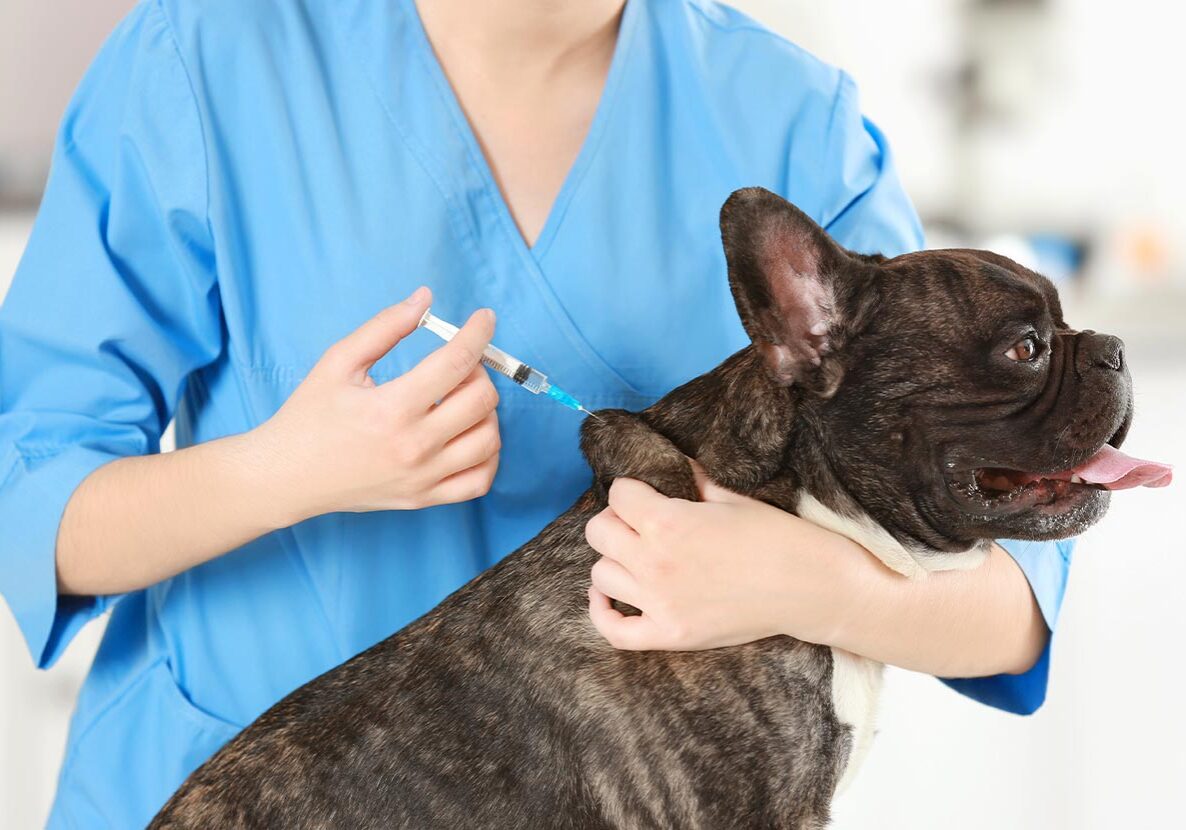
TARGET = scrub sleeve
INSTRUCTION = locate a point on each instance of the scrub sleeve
(113, 305)
(121, 245)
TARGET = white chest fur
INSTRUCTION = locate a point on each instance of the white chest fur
(856, 686)
(856, 680)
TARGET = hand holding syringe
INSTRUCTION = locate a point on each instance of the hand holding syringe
(495, 358)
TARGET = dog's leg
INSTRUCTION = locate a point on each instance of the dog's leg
(619, 444)
(781, 491)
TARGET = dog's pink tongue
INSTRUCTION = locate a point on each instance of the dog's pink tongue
(1114, 470)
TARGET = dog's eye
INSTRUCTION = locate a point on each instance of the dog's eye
(1024, 350)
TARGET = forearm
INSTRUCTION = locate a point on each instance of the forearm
(731, 569)
(339, 443)
(138, 520)
(951, 624)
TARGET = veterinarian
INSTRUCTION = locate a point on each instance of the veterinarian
(242, 196)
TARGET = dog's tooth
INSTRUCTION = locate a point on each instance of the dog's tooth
(1076, 480)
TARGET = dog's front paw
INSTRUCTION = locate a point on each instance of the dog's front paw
(619, 444)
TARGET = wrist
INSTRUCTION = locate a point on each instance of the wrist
(858, 580)
(271, 477)
(833, 581)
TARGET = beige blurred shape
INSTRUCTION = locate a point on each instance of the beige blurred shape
(44, 49)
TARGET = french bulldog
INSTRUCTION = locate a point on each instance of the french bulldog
(922, 405)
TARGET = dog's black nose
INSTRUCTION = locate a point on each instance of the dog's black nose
(1102, 350)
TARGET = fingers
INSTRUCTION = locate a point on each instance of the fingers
(358, 351)
(465, 485)
(435, 376)
(634, 633)
(469, 403)
(611, 579)
(469, 449)
(638, 504)
(607, 534)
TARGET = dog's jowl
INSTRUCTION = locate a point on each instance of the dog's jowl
(921, 405)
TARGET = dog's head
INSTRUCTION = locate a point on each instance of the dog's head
(947, 396)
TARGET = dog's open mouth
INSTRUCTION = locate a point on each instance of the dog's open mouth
(1002, 488)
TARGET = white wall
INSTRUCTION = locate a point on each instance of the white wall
(1103, 111)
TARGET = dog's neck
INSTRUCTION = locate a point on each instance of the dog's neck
(753, 435)
(735, 420)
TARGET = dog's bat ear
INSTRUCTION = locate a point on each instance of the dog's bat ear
(790, 281)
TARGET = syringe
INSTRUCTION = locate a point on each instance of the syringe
(530, 379)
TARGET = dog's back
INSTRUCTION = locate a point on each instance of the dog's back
(503, 707)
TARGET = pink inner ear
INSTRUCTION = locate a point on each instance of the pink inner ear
(803, 304)
(790, 261)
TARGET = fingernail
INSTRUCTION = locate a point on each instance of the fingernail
(416, 296)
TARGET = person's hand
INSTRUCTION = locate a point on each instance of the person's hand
(351, 445)
(728, 570)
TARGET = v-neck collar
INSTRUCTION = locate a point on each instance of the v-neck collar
(401, 69)
(477, 159)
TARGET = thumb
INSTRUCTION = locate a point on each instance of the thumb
(709, 490)
(358, 351)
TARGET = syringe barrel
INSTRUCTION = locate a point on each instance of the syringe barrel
(518, 371)
(492, 356)
(534, 381)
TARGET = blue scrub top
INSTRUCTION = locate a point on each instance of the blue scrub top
(236, 185)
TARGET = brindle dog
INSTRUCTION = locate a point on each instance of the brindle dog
(895, 400)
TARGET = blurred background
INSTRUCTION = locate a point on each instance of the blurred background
(1048, 130)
